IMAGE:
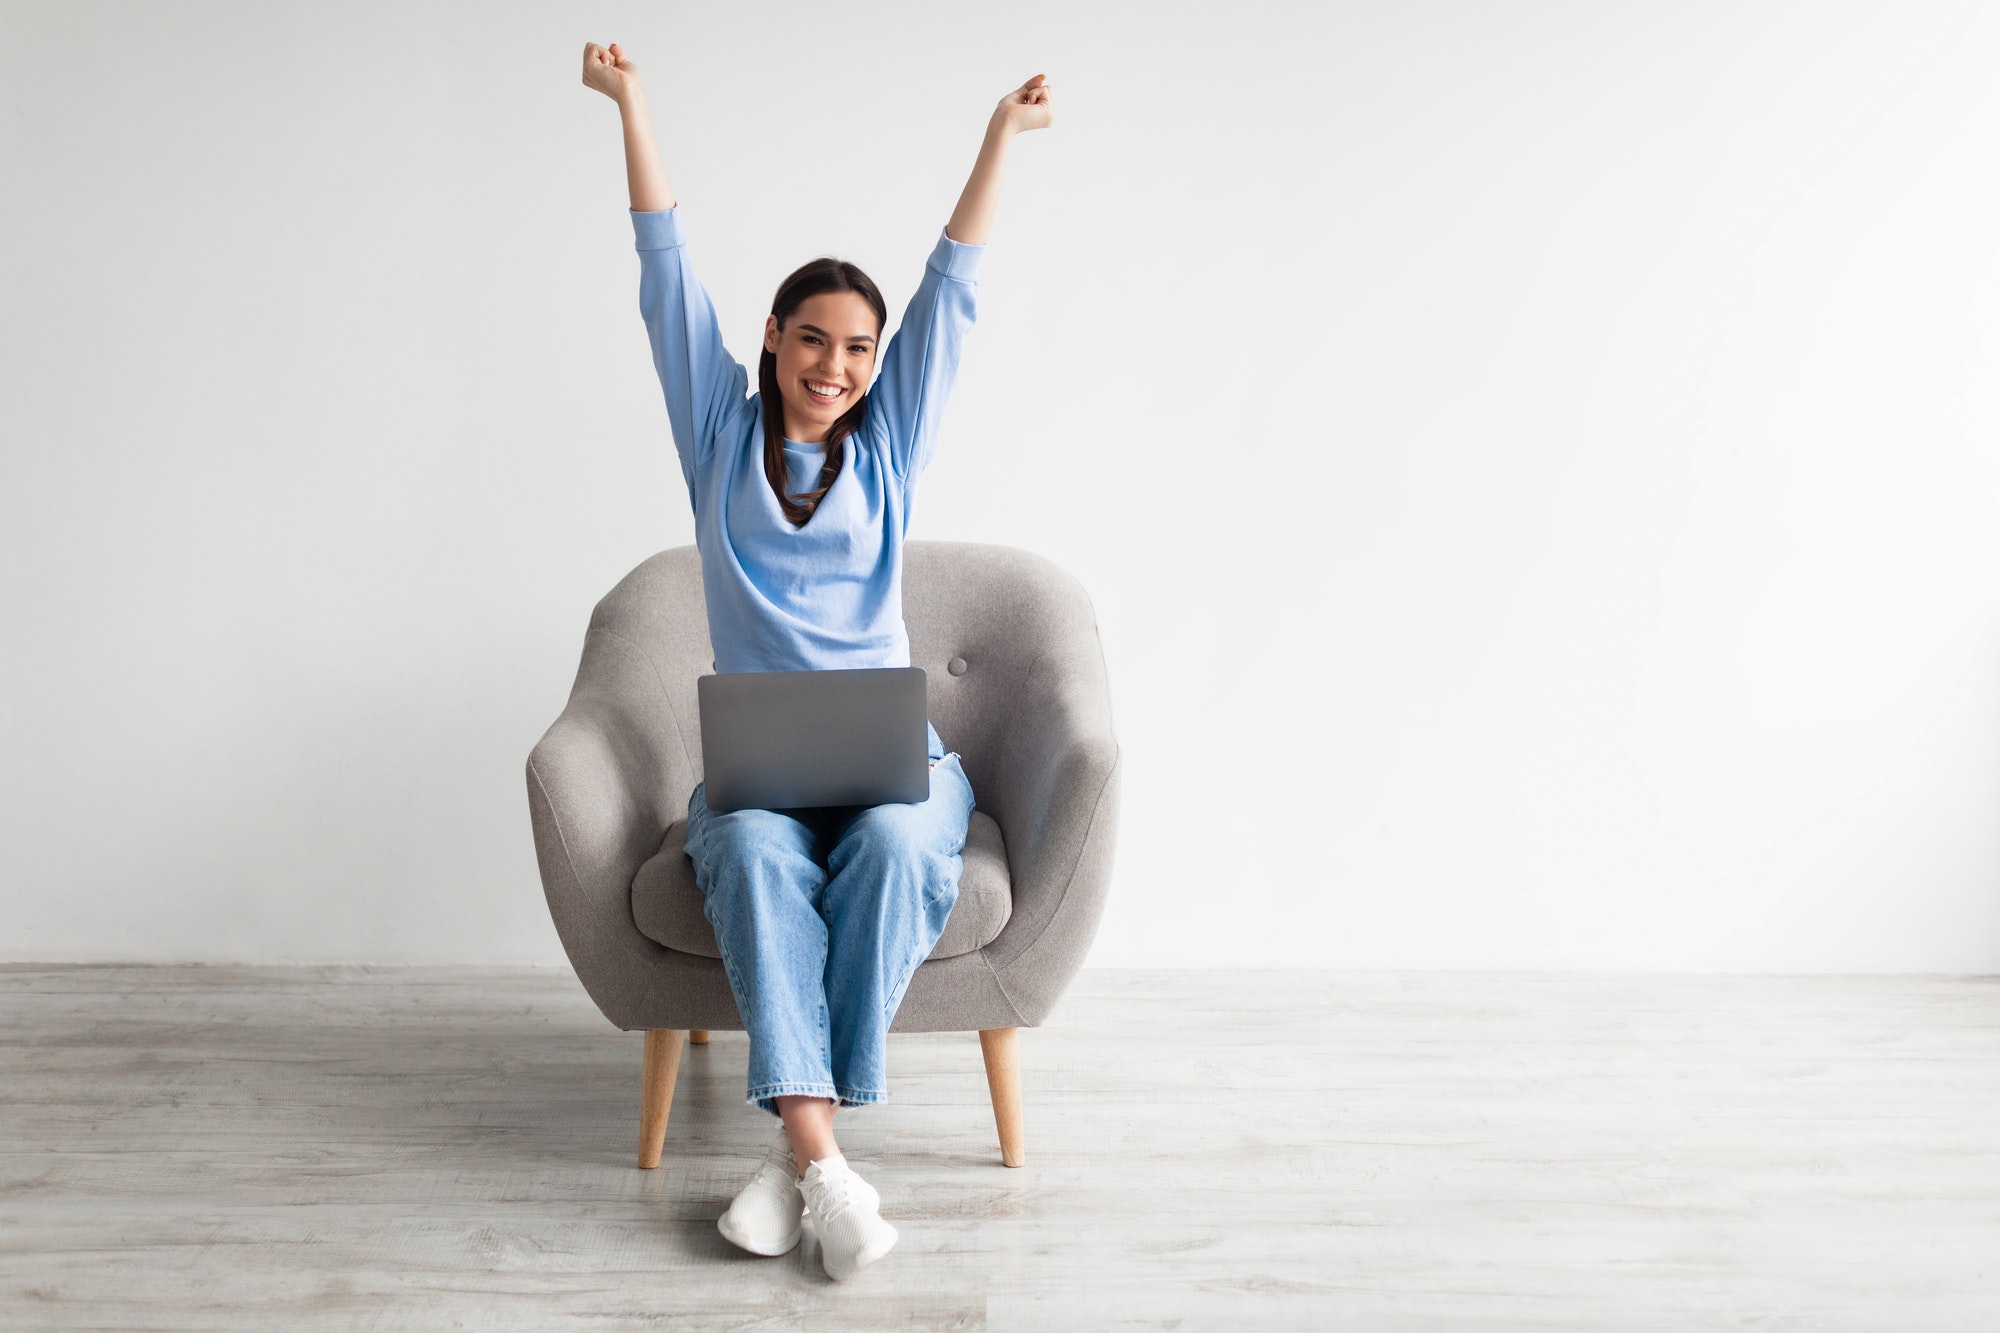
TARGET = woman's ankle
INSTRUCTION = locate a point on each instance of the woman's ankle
(809, 1125)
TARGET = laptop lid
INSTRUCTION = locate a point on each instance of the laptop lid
(777, 740)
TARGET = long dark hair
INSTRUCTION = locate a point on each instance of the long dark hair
(821, 275)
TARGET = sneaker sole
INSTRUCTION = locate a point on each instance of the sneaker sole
(867, 1255)
(742, 1242)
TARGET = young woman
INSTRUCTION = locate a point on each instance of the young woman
(802, 494)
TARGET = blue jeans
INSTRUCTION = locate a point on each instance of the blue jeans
(822, 915)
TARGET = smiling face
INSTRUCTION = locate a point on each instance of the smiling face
(826, 354)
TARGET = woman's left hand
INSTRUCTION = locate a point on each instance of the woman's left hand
(1029, 107)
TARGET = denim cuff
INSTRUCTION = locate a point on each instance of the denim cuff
(770, 1090)
(766, 1097)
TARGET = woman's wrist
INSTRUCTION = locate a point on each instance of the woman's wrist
(999, 136)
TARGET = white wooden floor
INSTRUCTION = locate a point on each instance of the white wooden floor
(280, 1148)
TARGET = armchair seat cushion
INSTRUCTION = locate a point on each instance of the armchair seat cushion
(667, 906)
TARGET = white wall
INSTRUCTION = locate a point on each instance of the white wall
(1537, 464)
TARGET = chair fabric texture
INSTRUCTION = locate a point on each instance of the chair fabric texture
(1016, 685)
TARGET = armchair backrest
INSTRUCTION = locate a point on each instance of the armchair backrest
(1013, 624)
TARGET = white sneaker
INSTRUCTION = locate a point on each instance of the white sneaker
(764, 1218)
(846, 1213)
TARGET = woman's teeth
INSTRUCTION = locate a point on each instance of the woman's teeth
(826, 395)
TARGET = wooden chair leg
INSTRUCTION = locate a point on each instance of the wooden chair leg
(698, 1037)
(656, 1095)
(1002, 1049)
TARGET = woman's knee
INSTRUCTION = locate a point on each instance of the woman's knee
(748, 830)
(901, 835)
(748, 849)
(889, 829)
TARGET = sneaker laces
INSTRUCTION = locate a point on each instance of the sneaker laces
(778, 1157)
(836, 1190)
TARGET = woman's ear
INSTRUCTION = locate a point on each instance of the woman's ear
(771, 334)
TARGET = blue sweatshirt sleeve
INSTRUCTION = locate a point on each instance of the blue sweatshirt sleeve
(704, 385)
(921, 361)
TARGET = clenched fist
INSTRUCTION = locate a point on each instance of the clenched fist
(1029, 107)
(607, 70)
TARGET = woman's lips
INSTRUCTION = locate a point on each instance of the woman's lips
(813, 393)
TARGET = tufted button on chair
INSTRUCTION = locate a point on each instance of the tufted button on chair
(1017, 686)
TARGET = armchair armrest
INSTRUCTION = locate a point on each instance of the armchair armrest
(602, 782)
(1056, 801)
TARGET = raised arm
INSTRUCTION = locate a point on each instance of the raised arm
(704, 385)
(607, 69)
(921, 361)
(1029, 107)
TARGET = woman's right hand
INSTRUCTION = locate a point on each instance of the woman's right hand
(607, 70)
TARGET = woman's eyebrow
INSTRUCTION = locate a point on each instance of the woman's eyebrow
(852, 337)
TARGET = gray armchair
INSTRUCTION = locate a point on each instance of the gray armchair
(1017, 686)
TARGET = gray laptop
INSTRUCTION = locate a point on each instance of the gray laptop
(777, 740)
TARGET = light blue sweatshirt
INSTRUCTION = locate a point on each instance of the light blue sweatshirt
(828, 595)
